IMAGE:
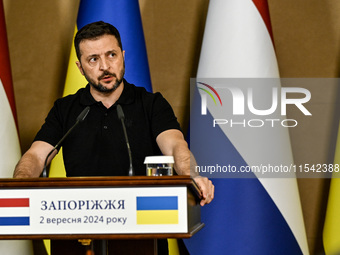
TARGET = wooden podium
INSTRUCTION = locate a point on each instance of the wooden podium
(130, 212)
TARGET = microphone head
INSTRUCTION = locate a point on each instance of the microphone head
(120, 112)
(83, 114)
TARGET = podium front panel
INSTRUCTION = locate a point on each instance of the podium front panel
(99, 208)
(93, 211)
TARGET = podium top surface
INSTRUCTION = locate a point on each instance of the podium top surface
(117, 181)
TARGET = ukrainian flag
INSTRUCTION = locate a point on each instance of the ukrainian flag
(125, 16)
(331, 231)
(157, 210)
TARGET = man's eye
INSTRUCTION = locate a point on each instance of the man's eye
(93, 60)
(112, 55)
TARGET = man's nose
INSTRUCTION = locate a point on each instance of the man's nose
(103, 64)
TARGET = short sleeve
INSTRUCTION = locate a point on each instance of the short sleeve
(162, 116)
(51, 131)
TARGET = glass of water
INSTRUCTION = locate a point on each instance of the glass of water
(159, 165)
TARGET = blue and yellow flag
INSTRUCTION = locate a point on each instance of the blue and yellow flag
(157, 210)
(125, 16)
(331, 231)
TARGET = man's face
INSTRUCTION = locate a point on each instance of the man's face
(102, 63)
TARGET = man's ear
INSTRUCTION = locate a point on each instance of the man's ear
(80, 67)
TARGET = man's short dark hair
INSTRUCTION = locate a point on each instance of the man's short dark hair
(94, 30)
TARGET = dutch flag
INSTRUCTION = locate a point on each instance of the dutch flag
(14, 212)
(248, 215)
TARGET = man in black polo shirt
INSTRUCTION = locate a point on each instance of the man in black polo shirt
(97, 146)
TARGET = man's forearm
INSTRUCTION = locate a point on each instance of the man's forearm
(28, 167)
(171, 142)
(185, 163)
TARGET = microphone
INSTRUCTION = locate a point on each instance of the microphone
(121, 116)
(79, 119)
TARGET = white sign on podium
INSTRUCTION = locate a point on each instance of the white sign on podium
(103, 210)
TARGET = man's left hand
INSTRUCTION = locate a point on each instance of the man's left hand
(207, 189)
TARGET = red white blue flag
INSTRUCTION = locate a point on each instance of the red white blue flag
(14, 212)
(10, 152)
(248, 215)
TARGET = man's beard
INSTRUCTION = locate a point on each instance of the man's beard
(100, 88)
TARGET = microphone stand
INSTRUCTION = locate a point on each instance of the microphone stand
(121, 116)
(79, 119)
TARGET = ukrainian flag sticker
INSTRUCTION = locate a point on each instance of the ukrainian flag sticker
(157, 210)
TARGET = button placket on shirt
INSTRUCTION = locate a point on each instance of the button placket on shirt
(105, 121)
